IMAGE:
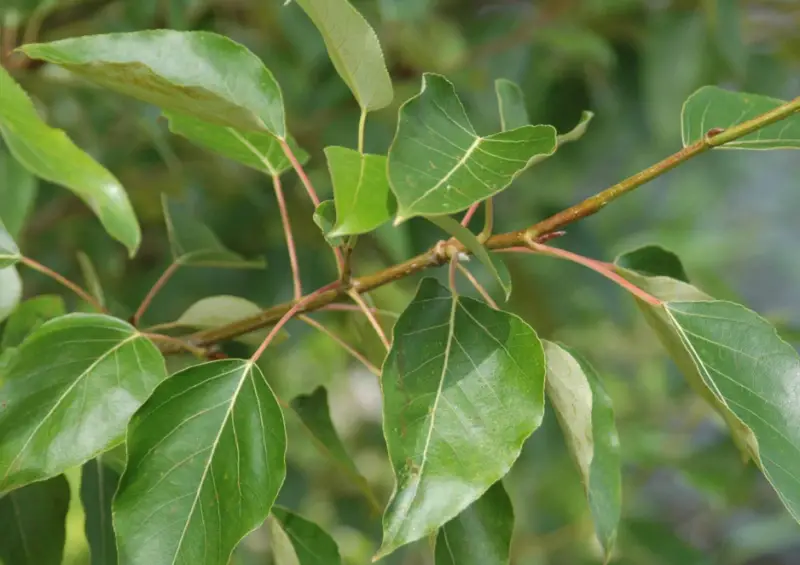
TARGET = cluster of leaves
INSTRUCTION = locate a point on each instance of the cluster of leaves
(194, 460)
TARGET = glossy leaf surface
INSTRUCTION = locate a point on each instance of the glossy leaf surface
(463, 388)
(196, 73)
(310, 544)
(50, 154)
(713, 107)
(69, 393)
(481, 534)
(206, 458)
(194, 244)
(256, 149)
(98, 485)
(354, 50)
(361, 191)
(586, 416)
(439, 165)
(32, 523)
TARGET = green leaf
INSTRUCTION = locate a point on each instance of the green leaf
(259, 150)
(10, 291)
(18, 189)
(511, 102)
(463, 388)
(193, 243)
(586, 416)
(354, 50)
(495, 264)
(216, 311)
(206, 459)
(439, 165)
(325, 218)
(91, 278)
(314, 411)
(196, 73)
(32, 523)
(29, 315)
(9, 252)
(653, 261)
(753, 373)
(481, 534)
(310, 544)
(361, 191)
(98, 485)
(51, 155)
(69, 393)
(713, 107)
(578, 131)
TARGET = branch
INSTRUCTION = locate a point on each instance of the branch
(535, 233)
(287, 232)
(158, 285)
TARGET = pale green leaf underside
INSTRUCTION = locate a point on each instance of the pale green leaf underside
(481, 534)
(194, 244)
(69, 392)
(206, 459)
(463, 388)
(587, 419)
(196, 73)
(493, 263)
(310, 543)
(439, 165)
(578, 131)
(511, 103)
(361, 191)
(325, 218)
(714, 107)
(9, 252)
(50, 154)
(216, 311)
(756, 375)
(354, 50)
(10, 291)
(256, 149)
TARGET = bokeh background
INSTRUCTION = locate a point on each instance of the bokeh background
(731, 216)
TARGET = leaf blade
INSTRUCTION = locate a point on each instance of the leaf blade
(511, 103)
(311, 544)
(98, 484)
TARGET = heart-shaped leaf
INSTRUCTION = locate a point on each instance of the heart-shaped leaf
(325, 218)
(33, 523)
(494, 263)
(18, 188)
(216, 311)
(305, 543)
(314, 412)
(50, 154)
(587, 419)
(481, 534)
(735, 360)
(354, 50)
(10, 291)
(713, 107)
(361, 191)
(196, 73)
(29, 315)
(98, 485)
(439, 165)
(206, 459)
(194, 244)
(69, 393)
(259, 150)
(463, 387)
(511, 102)
(9, 252)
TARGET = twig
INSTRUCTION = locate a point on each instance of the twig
(36, 266)
(158, 285)
(536, 232)
(354, 308)
(474, 282)
(346, 346)
(359, 300)
(287, 232)
(470, 212)
(297, 307)
(177, 342)
(601, 267)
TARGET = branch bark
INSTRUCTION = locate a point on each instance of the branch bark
(434, 257)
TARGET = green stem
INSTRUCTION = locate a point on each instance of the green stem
(362, 124)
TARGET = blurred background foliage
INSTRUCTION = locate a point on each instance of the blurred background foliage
(731, 217)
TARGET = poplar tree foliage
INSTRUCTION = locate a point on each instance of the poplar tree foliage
(180, 465)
